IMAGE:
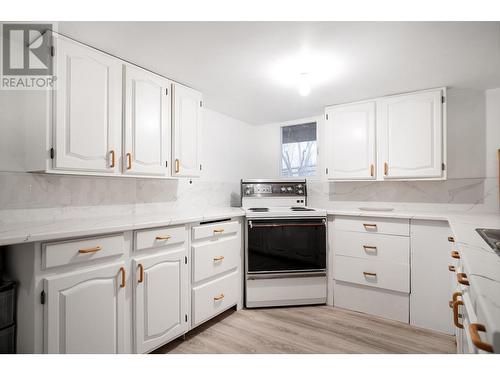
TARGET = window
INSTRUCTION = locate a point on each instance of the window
(298, 150)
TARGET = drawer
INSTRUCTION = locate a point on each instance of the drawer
(374, 301)
(159, 237)
(216, 296)
(82, 250)
(217, 229)
(379, 247)
(399, 227)
(386, 275)
(215, 257)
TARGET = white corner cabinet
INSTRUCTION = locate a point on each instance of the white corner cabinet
(107, 117)
(399, 137)
(126, 292)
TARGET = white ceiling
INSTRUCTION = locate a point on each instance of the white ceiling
(233, 63)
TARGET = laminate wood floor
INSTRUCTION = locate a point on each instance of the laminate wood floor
(310, 329)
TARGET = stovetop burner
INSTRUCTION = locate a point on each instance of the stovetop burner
(259, 209)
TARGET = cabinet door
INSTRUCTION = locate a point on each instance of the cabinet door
(430, 276)
(147, 123)
(160, 301)
(411, 135)
(350, 145)
(187, 105)
(88, 109)
(84, 311)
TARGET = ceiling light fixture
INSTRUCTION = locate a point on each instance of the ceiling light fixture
(304, 84)
(306, 70)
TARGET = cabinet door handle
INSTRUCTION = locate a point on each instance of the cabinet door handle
(219, 297)
(218, 258)
(372, 170)
(451, 268)
(454, 298)
(218, 231)
(141, 273)
(112, 154)
(177, 165)
(474, 329)
(451, 239)
(123, 281)
(455, 254)
(386, 169)
(456, 315)
(94, 249)
(370, 226)
(370, 248)
(373, 274)
(129, 160)
(462, 278)
(163, 238)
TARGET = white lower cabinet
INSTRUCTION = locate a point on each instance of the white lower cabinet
(431, 279)
(216, 272)
(371, 266)
(84, 311)
(160, 298)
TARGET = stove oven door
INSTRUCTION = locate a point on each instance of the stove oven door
(286, 245)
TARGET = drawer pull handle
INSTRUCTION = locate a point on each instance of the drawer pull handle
(94, 249)
(451, 239)
(218, 230)
(177, 166)
(474, 329)
(163, 238)
(454, 298)
(370, 226)
(451, 268)
(219, 297)
(141, 273)
(123, 283)
(373, 274)
(456, 315)
(462, 278)
(370, 248)
(112, 154)
(218, 258)
(455, 254)
(129, 160)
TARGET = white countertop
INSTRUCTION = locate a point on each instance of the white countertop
(41, 230)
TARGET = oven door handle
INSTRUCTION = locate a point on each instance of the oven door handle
(283, 275)
(251, 225)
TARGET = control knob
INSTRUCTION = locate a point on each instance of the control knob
(283, 189)
(289, 189)
(300, 191)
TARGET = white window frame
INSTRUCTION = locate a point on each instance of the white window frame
(316, 175)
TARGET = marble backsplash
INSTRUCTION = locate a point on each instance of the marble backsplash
(467, 194)
(60, 196)
(41, 191)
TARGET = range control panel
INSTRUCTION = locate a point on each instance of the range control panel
(265, 188)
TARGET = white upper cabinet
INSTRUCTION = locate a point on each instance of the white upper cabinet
(161, 299)
(85, 311)
(187, 112)
(88, 109)
(411, 135)
(350, 141)
(147, 123)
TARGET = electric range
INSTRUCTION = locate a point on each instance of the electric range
(286, 244)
